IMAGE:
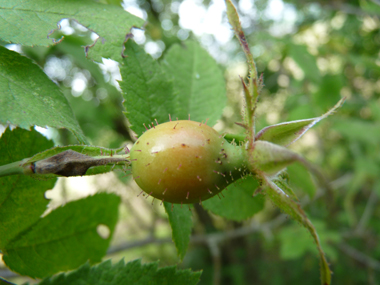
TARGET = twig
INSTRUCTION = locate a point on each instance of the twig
(370, 206)
(359, 256)
(213, 245)
(139, 243)
(205, 239)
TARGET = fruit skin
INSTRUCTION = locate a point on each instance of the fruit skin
(185, 162)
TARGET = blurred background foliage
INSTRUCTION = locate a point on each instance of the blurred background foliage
(311, 54)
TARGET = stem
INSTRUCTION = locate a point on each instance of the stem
(14, 168)
(66, 163)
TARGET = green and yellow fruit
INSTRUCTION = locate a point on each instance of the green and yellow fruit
(185, 162)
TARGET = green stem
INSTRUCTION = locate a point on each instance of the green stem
(14, 168)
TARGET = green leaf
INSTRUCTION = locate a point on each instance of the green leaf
(30, 22)
(358, 130)
(6, 282)
(28, 97)
(22, 199)
(181, 224)
(146, 89)
(294, 210)
(305, 61)
(198, 82)
(293, 248)
(65, 238)
(120, 273)
(300, 178)
(238, 203)
(287, 133)
(370, 7)
(328, 91)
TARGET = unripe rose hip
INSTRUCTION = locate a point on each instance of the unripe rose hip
(185, 162)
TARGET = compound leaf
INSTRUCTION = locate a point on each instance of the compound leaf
(238, 202)
(181, 224)
(197, 79)
(28, 97)
(120, 273)
(146, 89)
(306, 61)
(65, 238)
(29, 23)
(22, 199)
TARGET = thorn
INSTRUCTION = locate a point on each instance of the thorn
(134, 159)
(145, 127)
(200, 201)
(140, 193)
(156, 121)
(179, 166)
(187, 197)
(165, 170)
(162, 202)
(189, 207)
(222, 194)
(163, 193)
(217, 187)
(126, 149)
(159, 181)
(242, 125)
(218, 195)
(153, 125)
(170, 118)
(175, 126)
(209, 191)
(148, 195)
(126, 175)
(200, 179)
(172, 206)
(134, 178)
(111, 153)
(189, 117)
(138, 150)
(147, 165)
(217, 172)
(206, 121)
(153, 201)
